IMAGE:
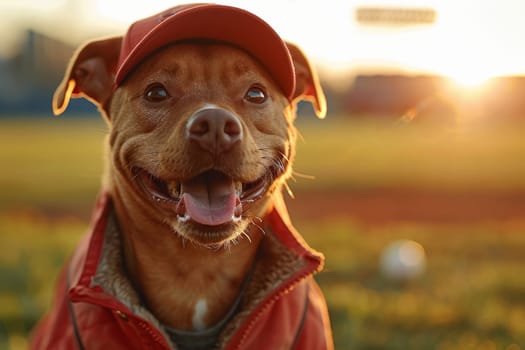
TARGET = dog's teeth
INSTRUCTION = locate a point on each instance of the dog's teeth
(237, 212)
(174, 189)
(182, 214)
(184, 218)
(238, 188)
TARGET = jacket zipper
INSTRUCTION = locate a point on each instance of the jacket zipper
(156, 337)
(276, 296)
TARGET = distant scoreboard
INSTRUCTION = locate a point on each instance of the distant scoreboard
(395, 15)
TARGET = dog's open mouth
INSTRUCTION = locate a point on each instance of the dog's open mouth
(211, 198)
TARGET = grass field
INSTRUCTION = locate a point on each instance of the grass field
(472, 295)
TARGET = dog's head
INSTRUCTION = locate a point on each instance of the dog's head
(201, 127)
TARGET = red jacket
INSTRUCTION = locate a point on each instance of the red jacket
(293, 315)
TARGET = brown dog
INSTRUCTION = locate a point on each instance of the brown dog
(192, 247)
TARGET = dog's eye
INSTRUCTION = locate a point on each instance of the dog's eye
(255, 94)
(156, 93)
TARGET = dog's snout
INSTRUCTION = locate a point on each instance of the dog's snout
(215, 130)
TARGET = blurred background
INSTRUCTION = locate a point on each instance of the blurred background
(413, 186)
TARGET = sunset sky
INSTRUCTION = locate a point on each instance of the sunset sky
(469, 41)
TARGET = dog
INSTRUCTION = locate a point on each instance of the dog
(191, 245)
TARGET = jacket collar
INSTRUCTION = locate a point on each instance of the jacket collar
(97, 276)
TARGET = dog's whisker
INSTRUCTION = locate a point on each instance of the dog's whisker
(225, 246)
(288, 190)
(265, 149)
(252, 222)
(194, 244)
(284, 156)
(260, 229)
(303, 176)
(300, 136)
(212, 247)
(244, 234)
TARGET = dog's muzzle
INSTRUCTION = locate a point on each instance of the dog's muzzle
(212, 197)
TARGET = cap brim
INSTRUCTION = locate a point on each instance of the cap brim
(221, 23)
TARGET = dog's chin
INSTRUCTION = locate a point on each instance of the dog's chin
(210, 209)
(224, 235)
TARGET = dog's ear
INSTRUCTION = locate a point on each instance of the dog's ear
(307, 84)
(89, 74)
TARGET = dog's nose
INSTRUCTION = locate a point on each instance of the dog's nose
(214, 129)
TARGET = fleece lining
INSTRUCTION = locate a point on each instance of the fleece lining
(274, 264)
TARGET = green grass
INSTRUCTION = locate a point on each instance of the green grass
(33, 250)
(49, 161)
(354, 155)
(472, 296)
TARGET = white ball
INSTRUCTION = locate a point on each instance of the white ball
(403, 260)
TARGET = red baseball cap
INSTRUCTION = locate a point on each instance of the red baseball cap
(208, 21)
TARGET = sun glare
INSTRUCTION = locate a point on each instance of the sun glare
(470, 80)
(468, 74)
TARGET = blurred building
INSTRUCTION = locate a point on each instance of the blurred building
(28, 79)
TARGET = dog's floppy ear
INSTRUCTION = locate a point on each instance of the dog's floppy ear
(307, 84)
(89, 74)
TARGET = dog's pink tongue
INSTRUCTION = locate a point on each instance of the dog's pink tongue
(210, 199)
